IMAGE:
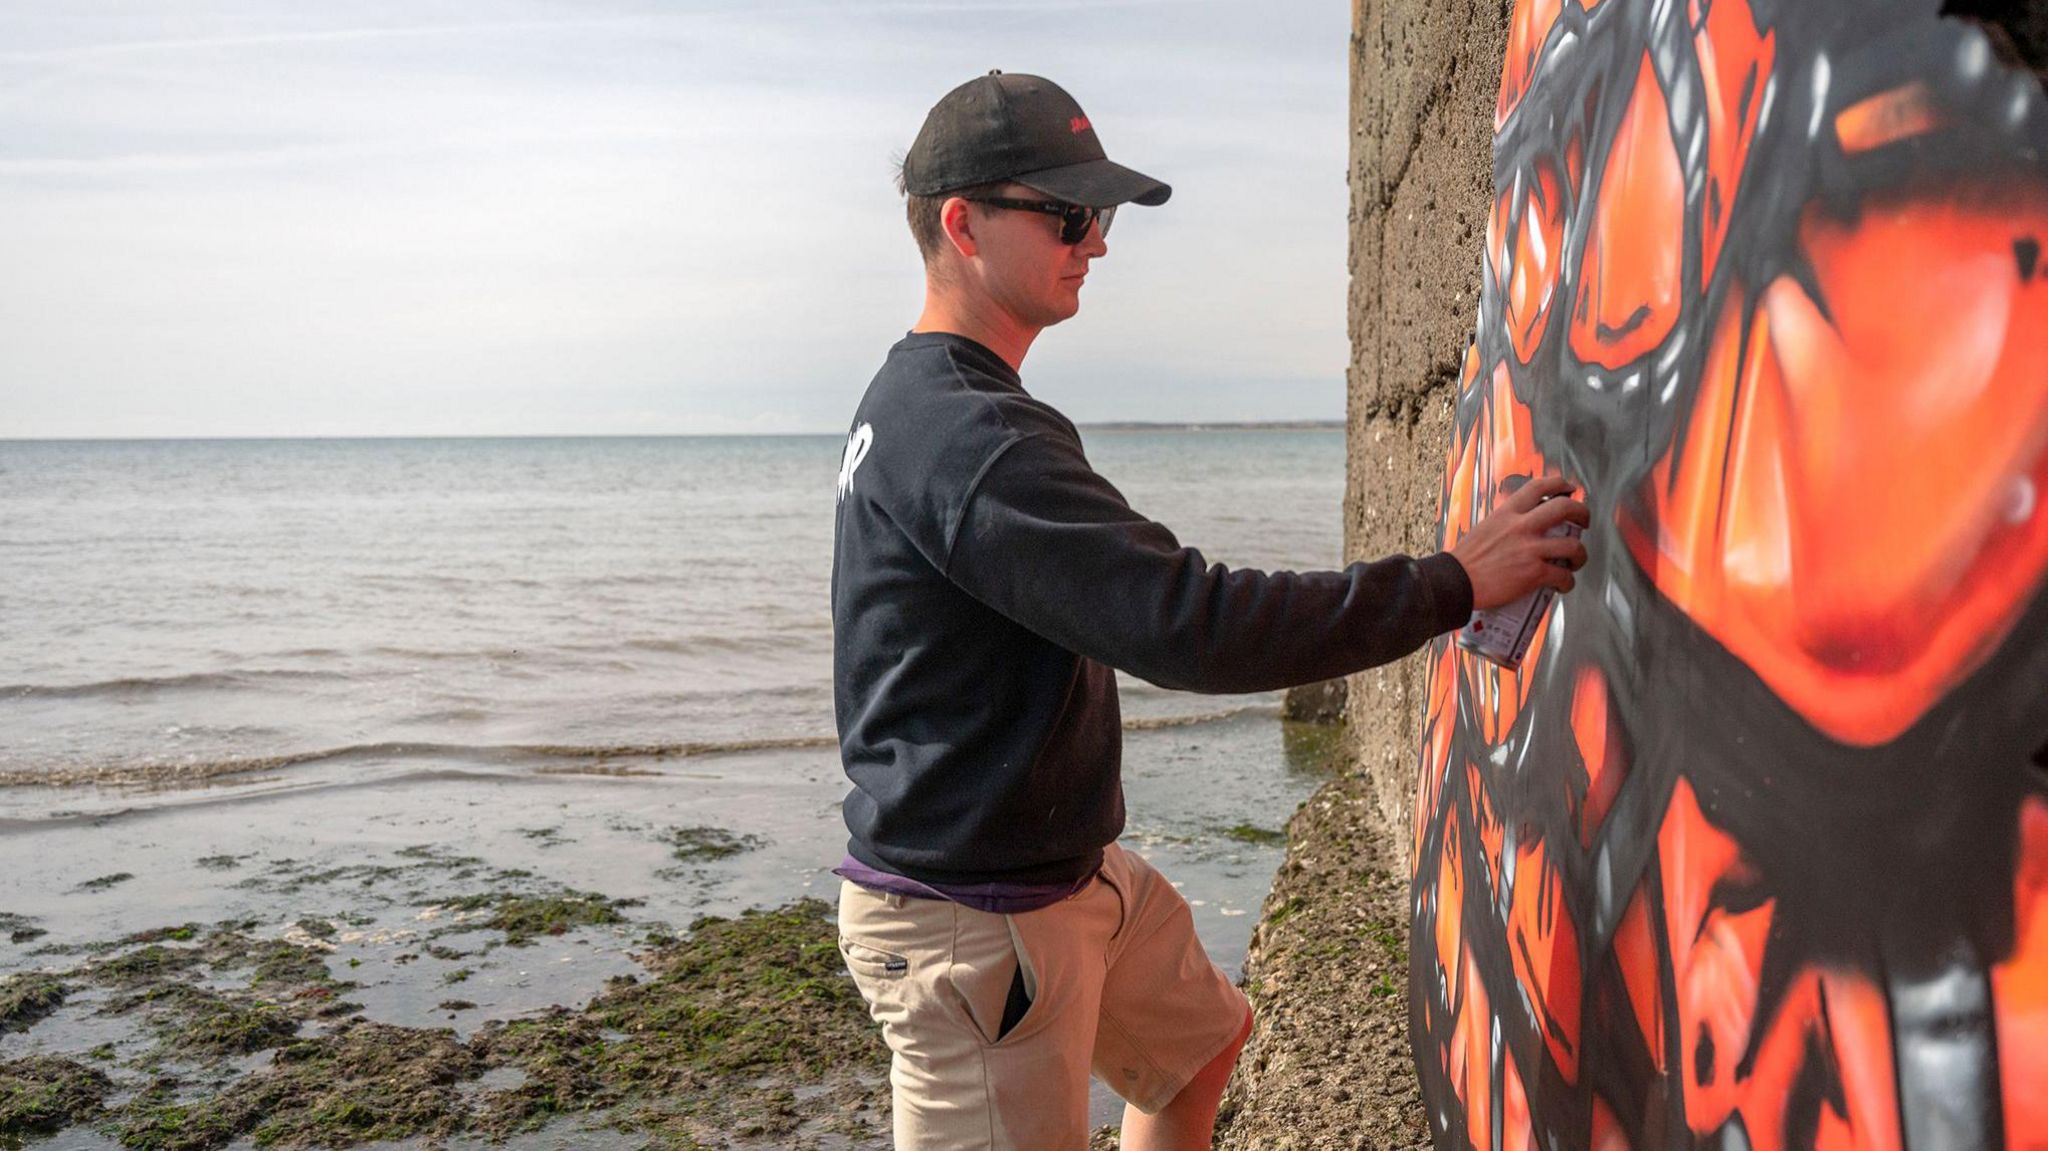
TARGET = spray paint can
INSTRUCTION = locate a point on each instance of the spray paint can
(1503, 634)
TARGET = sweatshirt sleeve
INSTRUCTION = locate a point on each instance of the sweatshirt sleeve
(1050, 544)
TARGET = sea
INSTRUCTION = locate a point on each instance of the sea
(193, 608)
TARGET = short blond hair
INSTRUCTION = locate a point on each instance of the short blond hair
(923, 212)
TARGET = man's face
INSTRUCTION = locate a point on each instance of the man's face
(1022, 264)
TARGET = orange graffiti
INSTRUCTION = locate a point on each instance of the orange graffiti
(1628, 282)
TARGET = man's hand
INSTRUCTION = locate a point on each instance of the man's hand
(1507, 555)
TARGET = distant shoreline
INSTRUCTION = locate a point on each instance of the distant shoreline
(1104, 426)
(1216, 426)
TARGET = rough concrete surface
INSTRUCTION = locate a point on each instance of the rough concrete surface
(1328, 1064)
(1424, 80)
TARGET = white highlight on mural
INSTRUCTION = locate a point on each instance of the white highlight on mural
(2021, 500)
(1974, 58)
(1820, 95)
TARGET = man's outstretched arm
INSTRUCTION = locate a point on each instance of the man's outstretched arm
(1051, 544)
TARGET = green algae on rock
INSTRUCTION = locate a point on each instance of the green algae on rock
(316, 928)
(766, 989)
(28, 997)
(177, 933)
(737, 1013)
(704, 844)
(154, 1121)
(280, 962)
(102, 882)
(366, 1081)
(152, 961)
(523, 917)
(195, 1022)
(19, 928)
(1314, 749)
(1246, 833)
(744, 1029)
(46, 1093)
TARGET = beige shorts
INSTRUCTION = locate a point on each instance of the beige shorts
(1117, 983)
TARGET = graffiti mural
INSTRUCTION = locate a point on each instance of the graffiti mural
(1752, 851)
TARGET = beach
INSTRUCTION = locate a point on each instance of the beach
(461, 793)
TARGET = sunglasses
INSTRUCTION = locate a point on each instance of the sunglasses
(1074, 218)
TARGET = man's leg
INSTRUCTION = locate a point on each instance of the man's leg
(1189, 1122)
(1172, 1024)
(938, 977)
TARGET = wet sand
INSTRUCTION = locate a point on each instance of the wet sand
(198, 968)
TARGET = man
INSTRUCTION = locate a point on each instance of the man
(985, 582)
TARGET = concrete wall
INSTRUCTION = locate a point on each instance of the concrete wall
(1424, 78)
(1329, 1065)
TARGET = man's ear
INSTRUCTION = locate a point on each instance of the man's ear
(956, 220)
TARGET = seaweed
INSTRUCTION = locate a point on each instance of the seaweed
(28, 997)
(704, 844)
(47, 1093)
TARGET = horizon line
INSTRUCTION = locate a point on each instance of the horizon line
(1097, 425)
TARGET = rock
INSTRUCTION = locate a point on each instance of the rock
(1315, 702)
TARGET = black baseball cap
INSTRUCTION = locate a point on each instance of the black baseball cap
(1025, 129)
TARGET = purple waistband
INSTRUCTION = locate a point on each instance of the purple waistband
(996, 898)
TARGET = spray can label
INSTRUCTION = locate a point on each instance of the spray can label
(1503, 634)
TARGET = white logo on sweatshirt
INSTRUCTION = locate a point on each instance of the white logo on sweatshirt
(857, 446)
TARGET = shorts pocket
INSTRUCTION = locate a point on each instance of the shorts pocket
(988, 981)
(1019, 995)
(872, 963)
(1014, 1007)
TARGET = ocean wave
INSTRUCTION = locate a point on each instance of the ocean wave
(150, 684)
(679, 750)
(450, 715)
(463, 655)
(175, 773)
(650, 579)
(689, 645)
(179, 772)
(153, 774)
(762, 639)
(413, 581)
(766, 641)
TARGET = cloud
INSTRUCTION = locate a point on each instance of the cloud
(244, 218)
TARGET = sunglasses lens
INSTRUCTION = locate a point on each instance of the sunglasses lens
(1102, 221)
(1074, 224)
(1075, 220)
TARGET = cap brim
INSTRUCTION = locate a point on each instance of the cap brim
(1097, 184)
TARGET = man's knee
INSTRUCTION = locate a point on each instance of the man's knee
(1213, 1076)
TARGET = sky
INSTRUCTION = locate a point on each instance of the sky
(451, 217)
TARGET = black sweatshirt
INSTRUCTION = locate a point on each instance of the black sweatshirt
(984, 582)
